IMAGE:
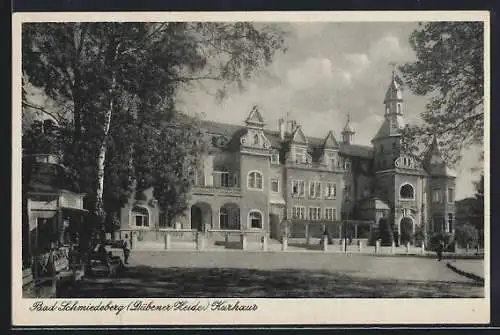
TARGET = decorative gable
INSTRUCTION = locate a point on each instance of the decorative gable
(255, 139)
(330, 141)
(298, 136)
(255, 119)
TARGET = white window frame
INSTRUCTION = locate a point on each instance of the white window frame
(413, 193)
(249, 186)
(133, 217)
(450, 201)
(275, 158)
(330, 214)
(332, 186)
(439, 198)
(314, 213)
(299, 182)
(316, 194)
(271, 185)
(299, 213)
(250, 220)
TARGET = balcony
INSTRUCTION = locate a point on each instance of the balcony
(219, 183)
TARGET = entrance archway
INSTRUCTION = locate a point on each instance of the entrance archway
(201, 216)
(406, 228)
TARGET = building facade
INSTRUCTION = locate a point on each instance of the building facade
(253, 178)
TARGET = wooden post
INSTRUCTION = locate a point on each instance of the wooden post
(342, 245)
(360, 245)
(199, 241)
(133, 238)
(393, 247)
(325, 243)
(422, 248)
(377, 246)
(407, 247)
(226, 237)
(264, 242)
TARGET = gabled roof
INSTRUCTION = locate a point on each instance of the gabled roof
(330, 141)
(234, 133)
(386, 131)
(298, 136)
(255, 118)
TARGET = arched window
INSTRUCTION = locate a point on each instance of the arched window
(256, 139)
(406, 192)
(255, 180)
(140, 216)
(255, 219)
(399, 108)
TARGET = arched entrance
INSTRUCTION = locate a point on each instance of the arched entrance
(406, 229)
(229, 216)
(201, 216)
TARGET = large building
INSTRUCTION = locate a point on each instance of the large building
(253, 178)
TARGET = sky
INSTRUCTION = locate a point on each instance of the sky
(330, 70)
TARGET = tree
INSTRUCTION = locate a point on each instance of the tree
(385, 232)
(466, 235)
(119, 78)
(449, 71)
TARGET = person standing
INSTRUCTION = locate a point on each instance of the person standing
(126, 249)
(439, 251)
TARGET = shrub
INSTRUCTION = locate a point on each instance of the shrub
(466, 235)
(385, 232)
(436, 238)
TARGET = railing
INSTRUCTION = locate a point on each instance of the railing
(212, 190)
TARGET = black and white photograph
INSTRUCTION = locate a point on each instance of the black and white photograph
(251, 159)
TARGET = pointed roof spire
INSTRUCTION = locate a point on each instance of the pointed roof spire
(394, 91)
(348, 128)
(434, 161)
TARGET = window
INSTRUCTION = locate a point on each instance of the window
(347, 192)
(314, 213)
(347, 165)
(298, 212)
(331, 214)
(255, 219)
(298, 188)
(399, 108)
(436, 196)
(224, 218)
(234, 218)
(275, 158)
(451, 196)
(140, 216)
(406, 192)
(330, 190)
(255, 180)
(450, 223)
(275, 185)
(314, 189)
(300, 155)
(256, 139)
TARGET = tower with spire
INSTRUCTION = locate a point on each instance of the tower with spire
(348, 132)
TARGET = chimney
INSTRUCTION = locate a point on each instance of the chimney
(281, 128)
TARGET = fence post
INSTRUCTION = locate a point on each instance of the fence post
(284, 242)
(243, 241)
(226, 237)
(167, 240)
(377, 246)
(199, 241)
(393, 247)
(342, 245)
(407, 247)
(423, 248)
(360, 245)
(264, 242)
(133, 238)
(307, 234)
(325, 243)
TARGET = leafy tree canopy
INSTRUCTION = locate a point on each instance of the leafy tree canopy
(449, 71)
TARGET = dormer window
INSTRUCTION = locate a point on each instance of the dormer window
(256, 139)
(399, 108)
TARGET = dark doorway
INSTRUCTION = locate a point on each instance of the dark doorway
(196, 218)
